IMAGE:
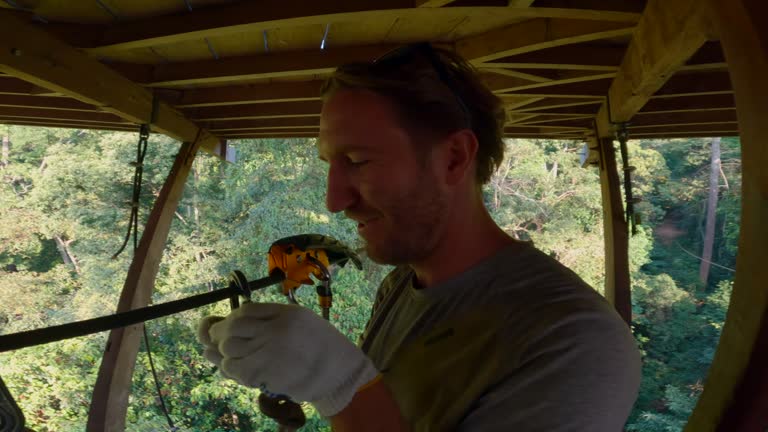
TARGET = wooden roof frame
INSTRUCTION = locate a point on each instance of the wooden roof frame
(563, 74)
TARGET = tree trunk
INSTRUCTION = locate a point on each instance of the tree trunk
(66, 254)
(6, 151)
(709, 230)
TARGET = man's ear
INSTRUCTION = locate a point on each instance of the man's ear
(459, 156)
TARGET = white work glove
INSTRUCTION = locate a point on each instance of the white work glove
(288, 350)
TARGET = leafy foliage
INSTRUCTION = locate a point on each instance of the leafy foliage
(64, 211)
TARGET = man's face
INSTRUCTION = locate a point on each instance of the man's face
(377, 178)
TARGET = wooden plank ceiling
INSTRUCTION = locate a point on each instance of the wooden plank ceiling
(253, 69)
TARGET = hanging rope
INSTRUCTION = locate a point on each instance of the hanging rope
(633, 219)
(138, 173)
(133, 227)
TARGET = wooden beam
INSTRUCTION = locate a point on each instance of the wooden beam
(433, 3)
(711, 128)
(237, 69)
(543, 136)
(585, 108)
(617, 288)
(68, 124)
(13, 86)
(509, 86)
(235, 125)
(554, 103)
(692, 84)
(516, 74)
(673, 135)
(590, 57)
(583, 90)
(53, 114)
(256, 111)
(579, 121)
(668, 34)
(678, 118)
(45, 102)
(537, 34)
(271, 134)
(513, 118)
(247, 94)
(689, 104)
(544, 129)
(29, 53)
(735, 396)
(109, 401)
(243, 17)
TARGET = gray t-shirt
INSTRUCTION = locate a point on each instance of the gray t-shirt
(516, 343)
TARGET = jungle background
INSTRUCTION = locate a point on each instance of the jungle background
(64, 207)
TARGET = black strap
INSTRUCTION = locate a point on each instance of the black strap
(45, 335)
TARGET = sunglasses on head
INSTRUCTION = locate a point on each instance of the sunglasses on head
(408, 54)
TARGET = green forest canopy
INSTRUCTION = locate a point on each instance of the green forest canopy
(64, 202)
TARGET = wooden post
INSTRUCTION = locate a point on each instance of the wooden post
(617, 283)
(735, 394)
(711, 218)
(113, 384)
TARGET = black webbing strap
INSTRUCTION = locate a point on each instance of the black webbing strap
(45, 335)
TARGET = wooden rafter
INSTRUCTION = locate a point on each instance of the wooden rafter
(67, 124)
(238, 69)
(588, 57)
(537, 34)
(433, 3)
(247, 94)
(671, 135)
(256, 111)
(585, 108)
(583, 90)
(31, 54)
(507, 84)
(712, 128)
(692, 84)
(689, 103)
(14, 86)
(236, 125)
(679, 118)
(44, 102)
(553, 103)
(583, 122)
(53, 114)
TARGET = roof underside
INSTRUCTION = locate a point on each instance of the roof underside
(253, 69)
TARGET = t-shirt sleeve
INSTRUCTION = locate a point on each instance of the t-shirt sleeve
(581, 374)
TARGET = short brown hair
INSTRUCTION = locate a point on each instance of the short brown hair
(435, 92)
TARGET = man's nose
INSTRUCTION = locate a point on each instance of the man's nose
(341, 194)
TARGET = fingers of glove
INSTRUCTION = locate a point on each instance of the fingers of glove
(243, 370)
(203, 328)
(239, 327)
(237, 347)
(213, 355)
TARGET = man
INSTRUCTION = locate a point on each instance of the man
(473, 330)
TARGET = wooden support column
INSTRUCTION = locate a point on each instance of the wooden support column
(735, 397)
(615, 231)
(113, 384)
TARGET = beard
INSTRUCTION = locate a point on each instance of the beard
(412, 224)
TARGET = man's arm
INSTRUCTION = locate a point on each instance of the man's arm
(372, 409)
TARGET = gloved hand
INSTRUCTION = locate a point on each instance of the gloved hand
(289, 350)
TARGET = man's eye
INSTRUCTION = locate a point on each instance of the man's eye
(357, 162)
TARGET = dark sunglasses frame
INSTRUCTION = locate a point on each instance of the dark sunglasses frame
(408, 53)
